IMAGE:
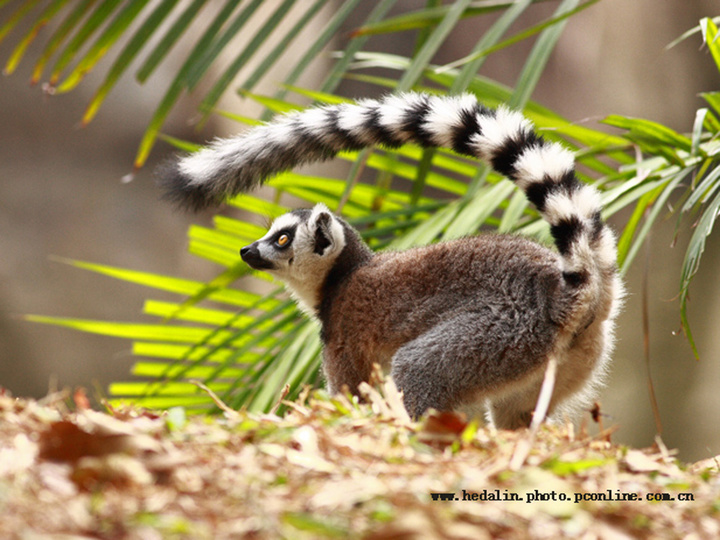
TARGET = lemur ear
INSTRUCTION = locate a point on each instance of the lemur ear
(323, 234)
(321, 223)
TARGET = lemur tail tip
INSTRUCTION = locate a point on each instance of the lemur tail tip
(179, 189)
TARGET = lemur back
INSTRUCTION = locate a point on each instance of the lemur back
(460, 325)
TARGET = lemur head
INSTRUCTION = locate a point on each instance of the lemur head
(300, 249)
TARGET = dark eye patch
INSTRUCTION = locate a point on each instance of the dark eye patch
(284, 237)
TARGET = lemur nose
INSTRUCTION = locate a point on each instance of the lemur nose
(246, 250)
(250, 253)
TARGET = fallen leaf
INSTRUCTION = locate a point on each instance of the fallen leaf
(80, 398)
(120, 470)
(637, 461)
(442, 423)
(65, 441)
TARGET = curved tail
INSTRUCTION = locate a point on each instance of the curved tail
(503, 139)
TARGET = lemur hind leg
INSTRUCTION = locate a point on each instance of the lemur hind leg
(571, 381)
(514, 409)
(468, 358)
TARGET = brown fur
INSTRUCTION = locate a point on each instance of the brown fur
(396, 297)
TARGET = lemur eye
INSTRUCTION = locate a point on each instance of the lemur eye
(283, 240)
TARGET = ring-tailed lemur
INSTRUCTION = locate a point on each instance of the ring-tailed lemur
(459, 324)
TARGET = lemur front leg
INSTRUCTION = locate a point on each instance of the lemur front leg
(343, 372)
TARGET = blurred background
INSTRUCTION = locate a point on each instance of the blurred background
(61, 197)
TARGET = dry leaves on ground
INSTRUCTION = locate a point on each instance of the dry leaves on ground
(330, 468)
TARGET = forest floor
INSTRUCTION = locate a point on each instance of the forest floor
(330, 468)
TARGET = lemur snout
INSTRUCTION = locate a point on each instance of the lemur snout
(251, 256)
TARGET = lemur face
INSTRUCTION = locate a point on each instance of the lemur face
(275, 252)
(300, 249)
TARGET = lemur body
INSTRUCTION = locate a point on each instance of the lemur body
(460, 325)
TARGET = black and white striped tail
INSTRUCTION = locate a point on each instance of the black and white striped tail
(504, 139)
